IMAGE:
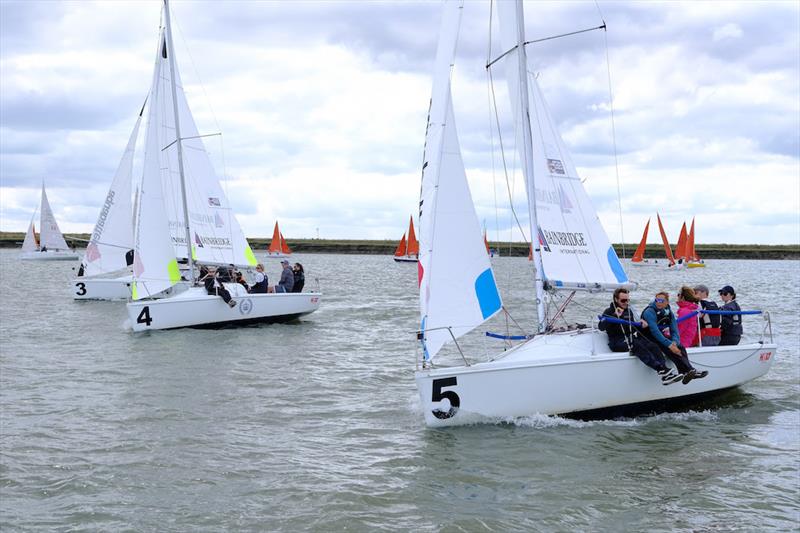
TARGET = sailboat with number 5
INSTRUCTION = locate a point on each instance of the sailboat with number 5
(183, 215)
(555, 370)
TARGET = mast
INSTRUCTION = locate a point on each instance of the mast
(173, 84)
(527, 145)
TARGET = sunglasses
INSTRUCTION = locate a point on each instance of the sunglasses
(660, 300)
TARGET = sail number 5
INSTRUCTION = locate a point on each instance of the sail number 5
(437, 395)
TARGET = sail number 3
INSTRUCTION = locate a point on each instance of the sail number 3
(437, 395)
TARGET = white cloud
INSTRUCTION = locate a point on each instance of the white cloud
(322, 108)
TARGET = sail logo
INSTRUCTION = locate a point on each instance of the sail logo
(218, 222)
(555, 166)
(543, 242)
(557, 197)
(574, 242)
(214, 202)
(92, 251)
(197, 240)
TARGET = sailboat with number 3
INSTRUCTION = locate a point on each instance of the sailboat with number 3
(555, 370)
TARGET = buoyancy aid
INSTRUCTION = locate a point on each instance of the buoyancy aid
(709, 324)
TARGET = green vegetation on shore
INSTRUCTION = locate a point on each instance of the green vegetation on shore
(515, 249)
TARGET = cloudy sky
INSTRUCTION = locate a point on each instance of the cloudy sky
(322, 109)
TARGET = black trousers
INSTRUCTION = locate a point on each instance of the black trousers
(729, 340)
(681, 361)
(222, 292)
(647, 352)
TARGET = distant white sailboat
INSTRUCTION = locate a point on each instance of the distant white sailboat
(51, 245)
(110, 249)
(552, 372)
(183, 214)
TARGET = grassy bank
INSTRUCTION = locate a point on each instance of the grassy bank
(344, 246)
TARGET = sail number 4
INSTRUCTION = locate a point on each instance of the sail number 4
(144, 316)
(437, 395)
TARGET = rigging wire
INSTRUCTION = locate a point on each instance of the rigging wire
(613, 127)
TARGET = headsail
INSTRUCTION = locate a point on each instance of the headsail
(112, 237)
(285, 247)
(638, 255)
(401, 247)
(457, 288)
(50, 236)
(576, 252)
(30, 244)
(215, 233)
(155, 268)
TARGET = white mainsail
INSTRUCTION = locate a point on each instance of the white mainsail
(50, 236)
(457, 288)
(29, 244)
(575, 250)
(215, 232)
(112, 237)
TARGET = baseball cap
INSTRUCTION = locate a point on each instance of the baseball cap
(727, 289)
(284, 262)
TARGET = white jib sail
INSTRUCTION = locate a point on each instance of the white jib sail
(29, 244)
(49, 234)
(457, 290)
(576, 252)
(155, 268)
(215, 232)
(112, 237)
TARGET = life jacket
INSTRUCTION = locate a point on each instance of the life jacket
(710, 323)
(663, 321)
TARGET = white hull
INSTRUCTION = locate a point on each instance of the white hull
(557, 374)
(406, 259)
(278, 255)
(647, 263)
(91, 288)
(195, 308)
(55, 255)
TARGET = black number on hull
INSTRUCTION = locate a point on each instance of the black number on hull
(81, 288)
(437, 395)
(144, 316)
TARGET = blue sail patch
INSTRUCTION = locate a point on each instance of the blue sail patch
(486, 291)
(616, 266)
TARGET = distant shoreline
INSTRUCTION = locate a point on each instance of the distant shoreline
(515, 249)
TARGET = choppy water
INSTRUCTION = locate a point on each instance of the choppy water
(316, 425)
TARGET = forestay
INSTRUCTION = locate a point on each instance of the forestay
(456, 283)
(49, 234)
(215, 232)
(575, 250)
(112, 237)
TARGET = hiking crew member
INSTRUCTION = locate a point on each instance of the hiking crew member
(212, 281)
(661, 320)
(626, 338)
(287, 278)
(262, 282)
(731, 325)
(709, 324)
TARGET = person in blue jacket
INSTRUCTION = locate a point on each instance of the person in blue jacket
(661, 322)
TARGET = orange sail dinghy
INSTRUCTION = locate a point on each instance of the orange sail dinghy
(638, 258)
(278, 246)
(692, 259)
(408, 250)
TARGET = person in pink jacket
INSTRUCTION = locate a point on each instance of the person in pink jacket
(687, 304)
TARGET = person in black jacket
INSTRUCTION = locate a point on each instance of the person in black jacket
(299, 277)
(731, 325)
(628, 338)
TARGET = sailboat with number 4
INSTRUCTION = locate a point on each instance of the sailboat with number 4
(554, 370)
(183, 215)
